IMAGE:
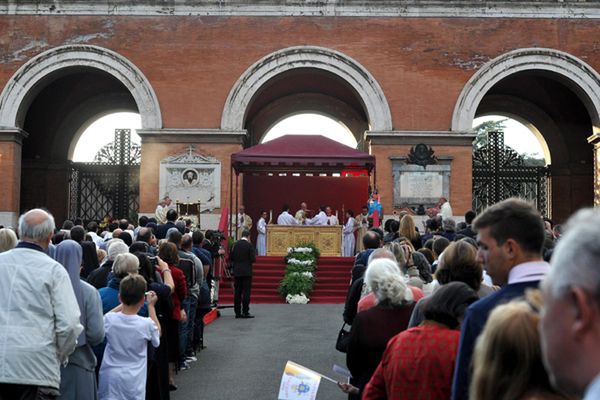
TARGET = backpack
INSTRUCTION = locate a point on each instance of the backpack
(187, 267)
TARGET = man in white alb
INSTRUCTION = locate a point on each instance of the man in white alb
(244, 221)
(332, 219)
(319, 219)
(161, 210)
(285, 218)
(301, 213)
(261, 239)
(445, 209)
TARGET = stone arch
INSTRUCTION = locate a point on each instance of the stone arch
(241, 95)
(579, 77)
(24, 85)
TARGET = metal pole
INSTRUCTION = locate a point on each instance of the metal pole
(237, 214)
(230, 200)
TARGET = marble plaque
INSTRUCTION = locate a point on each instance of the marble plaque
(191, 178)
(415, 184)
(421, 185)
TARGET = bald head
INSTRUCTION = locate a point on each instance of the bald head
(36, 226)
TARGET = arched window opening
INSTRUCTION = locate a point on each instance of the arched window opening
(93, 142)
(311, 124)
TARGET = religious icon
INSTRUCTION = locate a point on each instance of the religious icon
(190, 177)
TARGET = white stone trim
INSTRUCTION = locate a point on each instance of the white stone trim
(9, 218)
(23, 85)
(371, 94)
(579, 76)
(332, 8)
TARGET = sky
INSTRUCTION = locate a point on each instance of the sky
(516, 135)
(101, 132)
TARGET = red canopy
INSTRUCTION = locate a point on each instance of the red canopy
(301, 153)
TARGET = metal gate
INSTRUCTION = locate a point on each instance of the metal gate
(499, 172)
(108, 186)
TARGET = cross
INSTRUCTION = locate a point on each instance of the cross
(190, 150)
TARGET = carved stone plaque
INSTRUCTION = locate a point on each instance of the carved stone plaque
(416, 184)
(191, 178)
(421, 185)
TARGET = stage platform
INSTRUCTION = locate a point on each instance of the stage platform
(331, 287)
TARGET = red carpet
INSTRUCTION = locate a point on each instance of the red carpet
(333, 278)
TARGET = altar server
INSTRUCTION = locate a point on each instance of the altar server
(285, 218)
(332, 219)
(319, 219)
(348, 232)
(261, 240)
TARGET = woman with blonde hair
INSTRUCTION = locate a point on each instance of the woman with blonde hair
(8, 239)
(409, 231)
(508, 357)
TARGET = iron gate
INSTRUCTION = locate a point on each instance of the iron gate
(108, 186)
(499, 172)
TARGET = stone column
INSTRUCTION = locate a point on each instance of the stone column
(11, 142)
(595, 141)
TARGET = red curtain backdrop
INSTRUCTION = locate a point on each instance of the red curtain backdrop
(271, 192)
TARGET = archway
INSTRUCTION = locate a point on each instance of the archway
(306, 79)
(559, 95)
(56, 94)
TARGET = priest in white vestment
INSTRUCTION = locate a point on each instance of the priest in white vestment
(244, 221)
(161, 210)
(445, 208)
(261, 240)
(362, 222)
(285, 218)
(348, 235)
(319, 219)
(301, 213)
(331, 218)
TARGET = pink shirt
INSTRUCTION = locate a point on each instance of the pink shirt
(370, 301)
(528, 272)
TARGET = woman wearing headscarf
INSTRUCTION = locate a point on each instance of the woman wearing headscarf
(78, 380)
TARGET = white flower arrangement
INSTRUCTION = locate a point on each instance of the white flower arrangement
(295, 261)
(299, 250)
(297, 299)
(308, 275)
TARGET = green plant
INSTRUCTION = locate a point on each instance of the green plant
(295, 284)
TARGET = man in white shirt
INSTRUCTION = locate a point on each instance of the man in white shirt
(570, 323)
(285, 218)
(319, 219)
(39, 314)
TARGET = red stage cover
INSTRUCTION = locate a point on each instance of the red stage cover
(271, 192)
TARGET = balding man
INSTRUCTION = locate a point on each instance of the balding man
(570, 324)
(39, 314)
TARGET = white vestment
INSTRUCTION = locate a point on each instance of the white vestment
(446, 210)
(285, 218)
(161, 214)
(349, 240)
(261, 240)
(319, 219)
(332, 220)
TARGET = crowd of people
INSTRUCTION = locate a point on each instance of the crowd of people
(90, 313)
(459, 311)
(476, 311)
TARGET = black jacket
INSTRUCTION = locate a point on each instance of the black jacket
(242, 255)
(161, 230)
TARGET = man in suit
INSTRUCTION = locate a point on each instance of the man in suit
(510, 235)
(242, 255)
(161, 230)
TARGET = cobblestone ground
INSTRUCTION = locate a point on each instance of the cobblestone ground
(244, 358)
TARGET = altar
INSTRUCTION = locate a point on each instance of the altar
(328, 239)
